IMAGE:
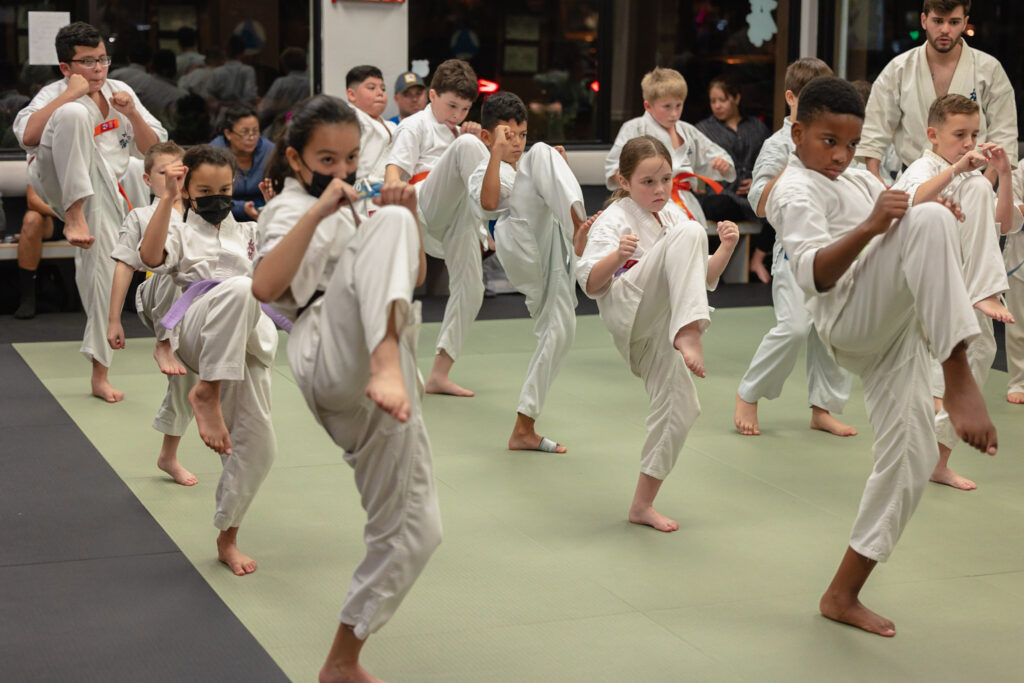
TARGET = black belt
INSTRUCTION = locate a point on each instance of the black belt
(302, 309)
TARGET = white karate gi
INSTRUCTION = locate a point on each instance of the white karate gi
(153, 299)
(897, 110)
(644, 307)
(693, 156)
(226, 337)
(361, 272)
(73, 162)
(1013, 256)
(903, 293)
(374, 147)
(828, 385)
(533, 239)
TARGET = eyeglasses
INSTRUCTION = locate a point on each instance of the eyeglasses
(91, 62)
(247, 133)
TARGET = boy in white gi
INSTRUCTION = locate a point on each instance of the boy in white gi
(828, 385)
(538, 205)
(1013, 259)
(218, 331)
(437, 153)
(365, 90)
(952, 169)
(646, 263)
(81, 132)
(883, 284)
(897, 111)
(348, 288)
(694, 155)
(153, 299)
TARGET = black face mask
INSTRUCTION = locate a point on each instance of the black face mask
(214, 208)
(320, 181)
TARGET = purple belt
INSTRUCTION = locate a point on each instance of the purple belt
(197, 289)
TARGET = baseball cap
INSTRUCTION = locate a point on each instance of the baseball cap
(408, 79)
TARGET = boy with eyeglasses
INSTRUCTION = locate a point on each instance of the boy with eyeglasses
(79, 133)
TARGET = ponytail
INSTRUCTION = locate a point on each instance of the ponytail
(307, 116)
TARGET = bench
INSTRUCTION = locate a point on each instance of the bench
(51, 250)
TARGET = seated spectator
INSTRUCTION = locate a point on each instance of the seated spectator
(410, 95)
(241, 134)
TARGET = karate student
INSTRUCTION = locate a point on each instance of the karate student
(1013, 256)
(538, 205)
(218, 331)
(437, 153)
(348, 288)
(647, 266)
(81, 131)
(952, 169)
(365, 91)
(828, 385)
(897, 111)
(153, 300)
(885, 290)
(694, 155)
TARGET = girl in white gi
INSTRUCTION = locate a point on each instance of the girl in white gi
(828, 385)
(1013, 258)
(153, 299)
(80, 133)
(883, 284)
(647, 266)
(218, 331)
(348, 288)
(538, 207)
(693, 154)
(364, 87)
(952, 169)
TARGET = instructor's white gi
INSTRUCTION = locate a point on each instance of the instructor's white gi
(226, 337)
(897, 110)
(359, 274)
(76, 159)
(903, 294)
(645, 306)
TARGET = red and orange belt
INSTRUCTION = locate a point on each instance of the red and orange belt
(680, 184)
(106, 126)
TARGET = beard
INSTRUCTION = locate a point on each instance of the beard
(953, 42)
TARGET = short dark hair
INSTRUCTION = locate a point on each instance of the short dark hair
(502, 106)
(76, 34)
(294, 59)
(186, 36)
(828, 95)
(949, 105)
(358, 74)
(197, 155)
(236, 45)
(726, 84)
(945, 6)
(457, 77)
(234, 114)
(803, 71)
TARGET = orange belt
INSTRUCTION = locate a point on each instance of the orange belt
(418, 177)
(125, 195)
(679, 184)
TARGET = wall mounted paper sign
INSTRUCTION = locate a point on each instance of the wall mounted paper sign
(42, 30)
(760, 24)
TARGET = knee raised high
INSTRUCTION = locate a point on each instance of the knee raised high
(71, 112)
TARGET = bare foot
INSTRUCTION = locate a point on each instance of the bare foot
(101, 388)
(354, 674)
(164, 357)
(443, 385)
(825, 421)
(966, 407)
(171, 466)
(855, 614)
(206, 406)
(745, 417)
(529, 442)
(944, 475)
(76, 230)
(689, 343)
(1015, 397)
(993, 308)
(652, 518)
(387, 390)
(761, 272)
(239, 563)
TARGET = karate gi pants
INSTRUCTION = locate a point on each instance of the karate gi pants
(226, 337)
(68, 167)
(672, 277)
(451, 231)
(534, 245)
(828, 385)
(329, 351)
(1015, 337)
(908, 292)
(984, 272)
(153, 299)
(981, 353)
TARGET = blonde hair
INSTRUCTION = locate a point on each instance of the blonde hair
(947, 106)
(661, 83)
(170, 147)
(633, 152)
(803, 71)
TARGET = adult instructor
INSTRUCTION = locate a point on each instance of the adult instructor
(897, 111)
